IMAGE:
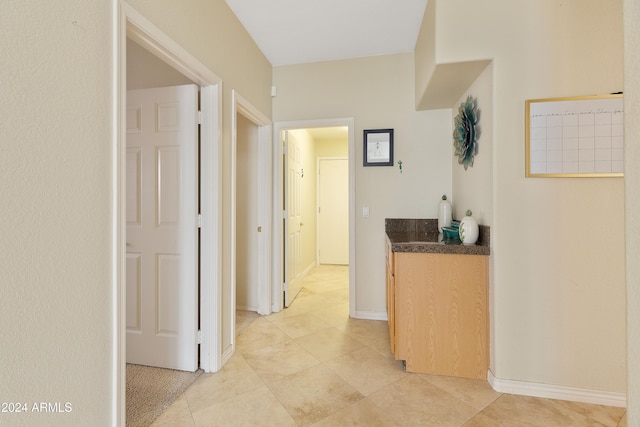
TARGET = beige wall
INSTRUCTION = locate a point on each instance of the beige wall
(212, 33)
(308, 236)
(559, 298)
(473, 187)
(56, 142)
(57, 172)
(378, 92)
(558, 293)
(145, 70)
(333, 147)
(632, 204)
(312, 148)
(246, 214)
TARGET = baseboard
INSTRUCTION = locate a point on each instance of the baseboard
(573, 394)
(370, 315)
(308, 269)
(226, 355)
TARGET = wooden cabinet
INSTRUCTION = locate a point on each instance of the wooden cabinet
(391, 300)
(438, 315)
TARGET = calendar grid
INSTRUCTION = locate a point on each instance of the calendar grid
(581, 136)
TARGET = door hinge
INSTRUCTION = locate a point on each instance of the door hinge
(199, 220)
(199, 337)
(285, 286)
(199, 117)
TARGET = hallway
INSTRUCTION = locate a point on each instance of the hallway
(312, 365)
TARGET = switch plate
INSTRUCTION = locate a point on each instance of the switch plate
(365, 212)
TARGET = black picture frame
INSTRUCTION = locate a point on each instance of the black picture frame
(377, 147)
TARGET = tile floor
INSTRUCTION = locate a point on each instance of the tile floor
(312, 365)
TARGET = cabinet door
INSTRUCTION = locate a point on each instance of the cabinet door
(441, 313)
(391, 298)
(391, 309)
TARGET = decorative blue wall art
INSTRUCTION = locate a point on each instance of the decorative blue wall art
(466, 132)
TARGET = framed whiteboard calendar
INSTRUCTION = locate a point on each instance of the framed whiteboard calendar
(580, 136)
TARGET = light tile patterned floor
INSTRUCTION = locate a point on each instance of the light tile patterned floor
(312, 365)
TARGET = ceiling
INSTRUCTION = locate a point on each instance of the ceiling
(300, 31)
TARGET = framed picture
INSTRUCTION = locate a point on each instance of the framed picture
(378, 147)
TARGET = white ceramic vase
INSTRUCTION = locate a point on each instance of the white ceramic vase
(468, 230)
(444, 213)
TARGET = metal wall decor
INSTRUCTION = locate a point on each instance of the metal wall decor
(466, 132)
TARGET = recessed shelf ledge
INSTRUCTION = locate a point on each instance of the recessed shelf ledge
(449, 82)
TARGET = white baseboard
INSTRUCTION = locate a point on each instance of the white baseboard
(573, 394)
(226, 355)
(308, 270)
(370, 315)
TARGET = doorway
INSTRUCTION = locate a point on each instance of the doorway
(313, 140)
(251, 210)
(140, 30)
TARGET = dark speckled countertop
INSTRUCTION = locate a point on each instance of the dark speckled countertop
(421, 235)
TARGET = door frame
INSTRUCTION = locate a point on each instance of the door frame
(240, 105)
(278, 183)
(132, 24)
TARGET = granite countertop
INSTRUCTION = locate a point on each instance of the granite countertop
(421, 236)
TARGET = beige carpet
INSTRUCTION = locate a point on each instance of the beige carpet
(152, 390)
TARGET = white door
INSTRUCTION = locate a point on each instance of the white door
(294, 224)
(162, 234)
(333, 211)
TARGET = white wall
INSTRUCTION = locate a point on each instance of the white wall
(558, 294)
(379, 93)
(632, 204)
(56, 210)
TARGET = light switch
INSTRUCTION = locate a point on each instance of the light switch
(365, 212)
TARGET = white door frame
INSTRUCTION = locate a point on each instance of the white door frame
(132, 24)
(240, 105)
(278, 247)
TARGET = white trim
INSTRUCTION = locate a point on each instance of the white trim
(550, 391)
(247, 308)
(211, 229)
(130, 23)
(227, 354)
(147, 35)
(118, 227)
(370, 315)
(278, 250)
